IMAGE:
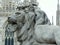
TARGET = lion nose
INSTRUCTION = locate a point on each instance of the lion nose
(12, 20)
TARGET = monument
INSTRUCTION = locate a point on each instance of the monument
(58, 14)
(32, 26)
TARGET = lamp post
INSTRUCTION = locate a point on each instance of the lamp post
(58, 5)
(52, 20)
(58, 13)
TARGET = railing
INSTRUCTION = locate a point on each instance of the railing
(9, 38)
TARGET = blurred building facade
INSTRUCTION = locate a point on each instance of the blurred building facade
(7, 7)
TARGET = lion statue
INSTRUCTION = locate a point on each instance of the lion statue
(47, 34)
(33, 27)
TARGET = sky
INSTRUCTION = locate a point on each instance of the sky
(50, 8)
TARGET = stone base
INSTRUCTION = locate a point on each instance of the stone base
(44, 44)
(47, 44)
